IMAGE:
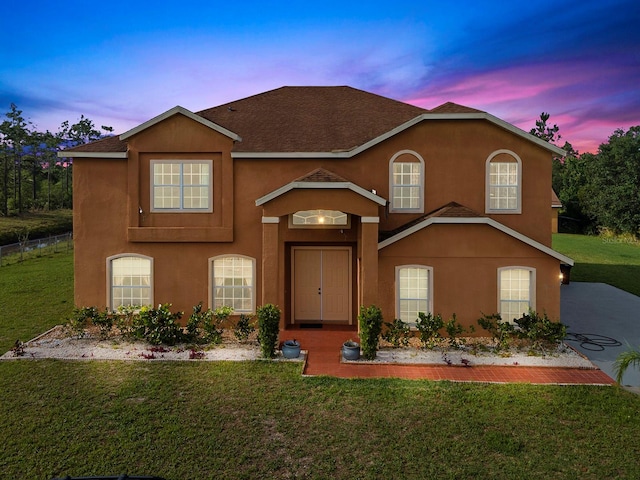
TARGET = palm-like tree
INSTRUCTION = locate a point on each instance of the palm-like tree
(624, 361)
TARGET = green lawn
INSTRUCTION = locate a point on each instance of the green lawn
(263, 420)
(602, 260)
(35, 295)
(252, 420)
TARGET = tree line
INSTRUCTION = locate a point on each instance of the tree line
(599, 191)
(32, 177)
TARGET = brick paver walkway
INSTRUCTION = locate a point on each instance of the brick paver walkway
(324, 358)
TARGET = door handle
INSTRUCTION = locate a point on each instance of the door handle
(319, 291)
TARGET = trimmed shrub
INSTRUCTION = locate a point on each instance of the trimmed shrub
(370, 320)
(268, 329)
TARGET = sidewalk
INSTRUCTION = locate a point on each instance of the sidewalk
(324, 358)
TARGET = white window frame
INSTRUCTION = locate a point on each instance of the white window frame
(399, 298)
(181, 186)
(518, 161)
(392, 185)
(110, 285)
(532, 288)
(212, 286)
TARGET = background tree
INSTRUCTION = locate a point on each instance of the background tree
(612, 183)
(15, 132)
(544, 131)
(28, 158)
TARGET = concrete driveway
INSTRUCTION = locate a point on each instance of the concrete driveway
(603, 321)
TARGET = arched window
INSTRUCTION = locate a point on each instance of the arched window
(516, 291)
(504, 182)
(130, 279)
(414, 287)
(232, 282)
(406, 182)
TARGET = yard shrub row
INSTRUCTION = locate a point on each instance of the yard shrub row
(160, 325)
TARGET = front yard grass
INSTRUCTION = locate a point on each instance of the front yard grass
(607, 260)
(263, 420)
(35, 295)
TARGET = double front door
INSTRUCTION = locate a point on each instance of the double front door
(321, 281)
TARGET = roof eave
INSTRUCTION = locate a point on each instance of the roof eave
(187, 113)
(321, 185)
(477, 221)
(77, 154)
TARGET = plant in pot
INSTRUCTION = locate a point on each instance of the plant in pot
(351, 350)
(291, 348)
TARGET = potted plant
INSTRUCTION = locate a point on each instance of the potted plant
(291, 348)
(351, 350)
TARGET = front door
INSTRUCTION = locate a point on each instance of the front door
(321, 280)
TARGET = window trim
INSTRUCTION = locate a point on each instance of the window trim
(253, 279)
(181, 162)
(109, 262)
(532, 286)
(429, 270)
(420, 160)
(505, 211)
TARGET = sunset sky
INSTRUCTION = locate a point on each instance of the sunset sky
(122, 63)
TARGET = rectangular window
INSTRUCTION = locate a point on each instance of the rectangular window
(413, 292)
(503, 186)
(407, 185)
(130, 282)
(181, 186)
(515, 293)
(233, 283)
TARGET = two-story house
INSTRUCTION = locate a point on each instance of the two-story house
(319, 200)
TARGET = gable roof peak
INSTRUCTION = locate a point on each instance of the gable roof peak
(321, 175)
(450, 107)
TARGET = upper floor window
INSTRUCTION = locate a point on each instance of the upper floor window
(504, 182)
(130, 278)
(516, 290)
(181, 186)
(413, 291)
(406, 182)
(232, 281)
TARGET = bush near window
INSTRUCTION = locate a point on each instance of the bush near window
(429, 325)
(539, 330)
(397, 333)
(370, 319)
(158, 325)
(243, 328)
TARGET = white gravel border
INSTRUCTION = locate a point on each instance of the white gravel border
(50, 345)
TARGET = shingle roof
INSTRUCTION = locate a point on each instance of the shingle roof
(555, 201)
(303, 119)
(451, 107)
(107, 144)
(451, 210)
(310, 119)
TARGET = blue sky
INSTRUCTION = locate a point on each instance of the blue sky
(121, 63)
